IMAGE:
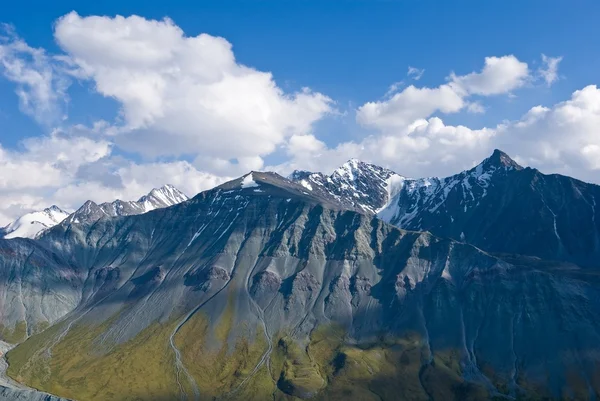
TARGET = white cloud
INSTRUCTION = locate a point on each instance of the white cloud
(549, 72)
(47, 161)
(185, 95)
(425, 147)
(409, 105)
(415, 73)
(135, 181)
(40, 88)
(563, 138)
(67, 170)
(475, 108)
(499, 75)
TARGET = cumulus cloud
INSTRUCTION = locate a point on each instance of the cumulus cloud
(187, 100)
(40, 87)
(549, 71)
(500, 75)
(68, 170)
(562, 138)
(409, 105)
(426, 147)
(182, 98)
(185, 95)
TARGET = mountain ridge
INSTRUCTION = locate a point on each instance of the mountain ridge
(261, 266)
(263, 288)
(32, 224)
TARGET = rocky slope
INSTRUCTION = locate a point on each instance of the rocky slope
(261, 289)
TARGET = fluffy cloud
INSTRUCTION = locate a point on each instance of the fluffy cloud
(182, 95)
(135, 180)
(47, 161)
(185, 95)
(499, 75)
(563, 138)
(178, 95)
(68, 170)
(40, 89)
(426, 147)
(409, 105)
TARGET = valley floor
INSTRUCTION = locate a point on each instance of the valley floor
(10, 390)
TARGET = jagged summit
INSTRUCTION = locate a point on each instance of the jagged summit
(158, 198)
(356, 184)
(499, 159)
(166, 195)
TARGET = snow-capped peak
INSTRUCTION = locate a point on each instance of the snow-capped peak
(31, 224)
(356, 184)
(164, 196)
(428, 196)
(158, 198)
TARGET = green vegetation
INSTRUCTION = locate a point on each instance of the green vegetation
(14, 335)
(221, 356)
(218, 363)
(141, 368)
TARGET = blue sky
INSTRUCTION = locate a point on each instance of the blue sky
(348, 53)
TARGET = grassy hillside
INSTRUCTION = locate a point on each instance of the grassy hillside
(324, 367)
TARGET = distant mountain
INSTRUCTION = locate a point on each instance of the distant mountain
(263, 289)
(157, 198)
(500, 206)
(31, 224)
(356, 185)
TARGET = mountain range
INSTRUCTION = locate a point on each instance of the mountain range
(32, 224)
(358, 285)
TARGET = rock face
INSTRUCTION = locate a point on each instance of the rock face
(262, 287)
(501, 207)
(37, 287)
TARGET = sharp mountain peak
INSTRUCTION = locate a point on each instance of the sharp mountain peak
(500, 159)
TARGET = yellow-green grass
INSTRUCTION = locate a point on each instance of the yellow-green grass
(325, 367)
(14, 335)
(141, 368)
(222, 361)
